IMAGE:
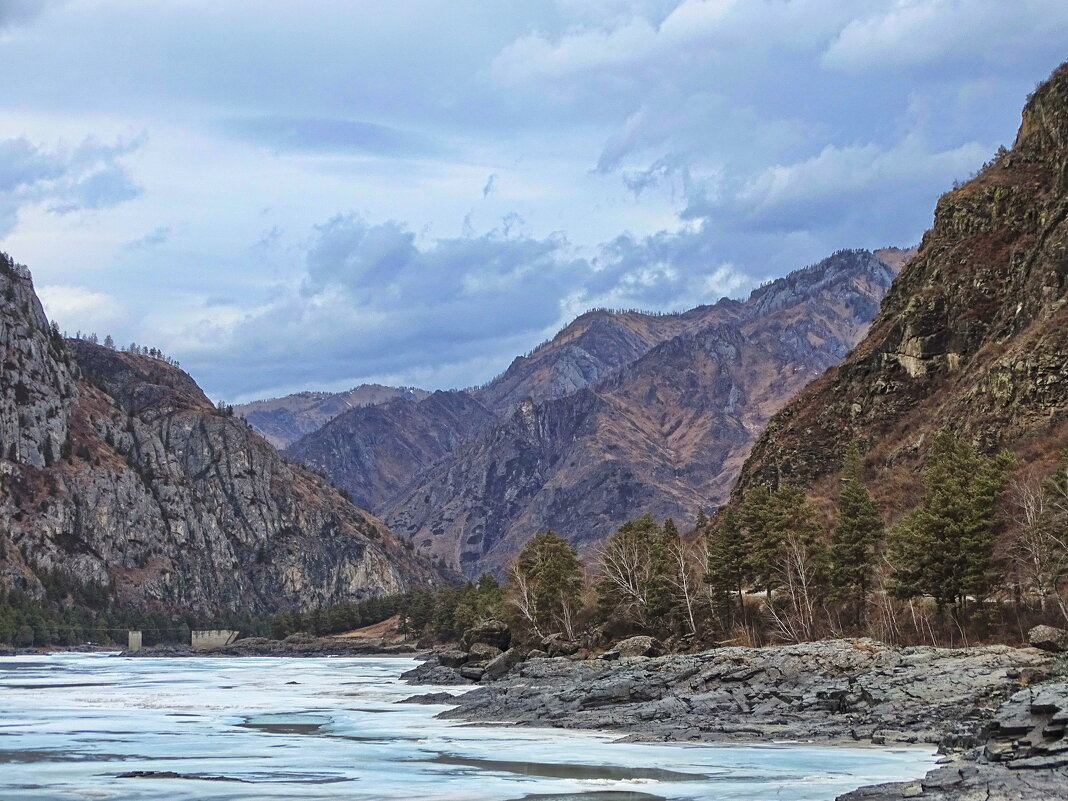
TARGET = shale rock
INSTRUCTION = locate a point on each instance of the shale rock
(836, 690)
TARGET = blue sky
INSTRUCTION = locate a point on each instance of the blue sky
(414, 192)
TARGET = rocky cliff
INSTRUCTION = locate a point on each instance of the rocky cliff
(665, 434)
(283, 421)
(973, 335)
(116, 470)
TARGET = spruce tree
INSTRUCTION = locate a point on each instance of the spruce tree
(944, 548)
(853, 542)
(727, 566)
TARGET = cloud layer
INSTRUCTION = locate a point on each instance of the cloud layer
(415, 192)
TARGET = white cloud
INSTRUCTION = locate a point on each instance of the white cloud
(76, 308)
(912, 33)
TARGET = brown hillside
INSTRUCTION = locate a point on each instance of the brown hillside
(973, 334)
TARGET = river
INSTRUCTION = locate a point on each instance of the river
(71, 726)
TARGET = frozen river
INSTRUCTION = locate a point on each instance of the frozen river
(71, 726)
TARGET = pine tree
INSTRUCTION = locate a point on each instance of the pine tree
(727, 566)
(854, 540)
(756, 517)
(944, 548)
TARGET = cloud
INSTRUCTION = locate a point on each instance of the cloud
(76, 308)
(19, 12)
(922, 33)
(88, 176)
(489, 186)
(324, 135)
(373, 301)
(154, 238)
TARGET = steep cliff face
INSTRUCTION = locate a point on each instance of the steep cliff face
(283, 421)
(666, 434)
(117, 470)
(374, 452)
(973, 334)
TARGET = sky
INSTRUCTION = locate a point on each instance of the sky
(311, 196)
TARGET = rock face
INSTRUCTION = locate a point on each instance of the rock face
(835, 690)
(116, 470)
(1025, 757)
(973, 334)
(283, 421)
(665, 434)
(374, 452)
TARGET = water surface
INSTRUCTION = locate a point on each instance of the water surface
(100, 726)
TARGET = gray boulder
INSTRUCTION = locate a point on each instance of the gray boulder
(472, 672)
(452, 659)
(502, 664)
(635, 647)
(483, 652)
(556, 645)
(490, 632)
(1048, 638)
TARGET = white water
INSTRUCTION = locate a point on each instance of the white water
(330, 728)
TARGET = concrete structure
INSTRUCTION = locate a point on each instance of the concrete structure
(212, 638)
(133, 643)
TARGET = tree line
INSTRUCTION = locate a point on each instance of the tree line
(981, 557)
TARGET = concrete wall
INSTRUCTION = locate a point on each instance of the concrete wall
(133, 641)
(213, 638)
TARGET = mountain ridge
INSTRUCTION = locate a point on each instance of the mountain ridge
(117, 471)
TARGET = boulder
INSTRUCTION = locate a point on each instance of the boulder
(452, 659)
(641, 645)
(472, 672)
(537, 653)
(556, 645)
(483, 652)
(490, 632)
(503, 663)
(1048, 638)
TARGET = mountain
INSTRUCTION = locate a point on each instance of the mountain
(588, 349)
(283, 421)
(116, 470)
(973, 335)
(666, 433)
(373, 452)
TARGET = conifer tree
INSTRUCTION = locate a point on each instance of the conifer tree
(854, 540)
(944, 548)
(727, 566)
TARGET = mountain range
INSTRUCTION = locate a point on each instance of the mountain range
(620, 414)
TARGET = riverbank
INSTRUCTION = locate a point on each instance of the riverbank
(997, 713)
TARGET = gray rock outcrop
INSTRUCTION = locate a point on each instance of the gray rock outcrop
(117, 471)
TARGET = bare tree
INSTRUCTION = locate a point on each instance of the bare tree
(1040, 548)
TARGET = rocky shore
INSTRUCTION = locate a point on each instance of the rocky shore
(998, 714)
(294, 645)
